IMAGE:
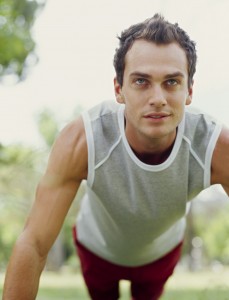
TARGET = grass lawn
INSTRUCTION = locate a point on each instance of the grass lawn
(182, 286)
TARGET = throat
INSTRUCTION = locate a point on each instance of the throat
(154, 153)
(151, 150)
(154, 158)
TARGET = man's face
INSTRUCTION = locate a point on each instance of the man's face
(155, 90)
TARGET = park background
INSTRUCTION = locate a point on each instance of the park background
(55, 61)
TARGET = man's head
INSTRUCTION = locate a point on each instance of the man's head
(160, 32)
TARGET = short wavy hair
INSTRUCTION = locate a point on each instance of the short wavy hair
(159, 31)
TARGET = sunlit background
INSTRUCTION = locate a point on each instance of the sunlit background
(75, 45)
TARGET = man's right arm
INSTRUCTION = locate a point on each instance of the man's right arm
(66, 169)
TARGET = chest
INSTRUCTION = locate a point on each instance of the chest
(139, 197)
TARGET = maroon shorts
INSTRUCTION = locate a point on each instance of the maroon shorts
(102, 277)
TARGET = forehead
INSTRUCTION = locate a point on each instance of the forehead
(150, 58)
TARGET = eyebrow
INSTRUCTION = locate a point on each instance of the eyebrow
(140, 74)
(145, 75)
(176, 74)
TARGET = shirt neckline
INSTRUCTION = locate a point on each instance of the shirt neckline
(136, 160)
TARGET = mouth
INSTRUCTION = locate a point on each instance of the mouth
(157, 116)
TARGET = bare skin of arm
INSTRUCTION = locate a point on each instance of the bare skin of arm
(66, 169)
(220, 161)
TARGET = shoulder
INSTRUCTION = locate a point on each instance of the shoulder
(103, 109)
(202, 129)
(103, 122)
(68, 156)
(197, 119)
(220, 159)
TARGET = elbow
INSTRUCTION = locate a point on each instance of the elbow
(32, 247)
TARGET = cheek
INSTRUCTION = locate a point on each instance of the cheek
(132, 113)
(178, 107)
(178, 101)
(180, 113)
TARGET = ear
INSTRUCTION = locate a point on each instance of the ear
(189, 96)
(118, 92)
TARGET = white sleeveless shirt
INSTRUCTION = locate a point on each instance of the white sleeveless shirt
(134, 213)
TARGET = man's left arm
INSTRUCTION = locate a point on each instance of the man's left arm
(220, 161)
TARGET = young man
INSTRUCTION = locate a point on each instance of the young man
(143, 158)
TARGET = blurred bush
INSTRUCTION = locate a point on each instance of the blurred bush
(17, 47)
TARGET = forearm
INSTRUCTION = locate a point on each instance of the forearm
(23, 273)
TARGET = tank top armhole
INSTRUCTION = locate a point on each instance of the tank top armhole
(90, 147)
(209, 153)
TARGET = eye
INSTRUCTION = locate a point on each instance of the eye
(172, 82)
(140, 81)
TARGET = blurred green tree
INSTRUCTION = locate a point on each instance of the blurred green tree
(20, 171)
(17, 47)
(216, 237)
(48, 126)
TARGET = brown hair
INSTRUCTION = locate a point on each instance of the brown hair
(159, 31)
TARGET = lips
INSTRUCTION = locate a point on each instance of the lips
(156, 115)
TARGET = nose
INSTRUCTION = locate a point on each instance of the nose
(157, 97)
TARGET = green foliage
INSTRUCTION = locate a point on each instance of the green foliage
(20, 170)
(48, 126)
(17, 164)
(10, 227)
(19, 175)
(216, 237)
(16, 42)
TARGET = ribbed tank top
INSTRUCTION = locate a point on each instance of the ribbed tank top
(133, 213)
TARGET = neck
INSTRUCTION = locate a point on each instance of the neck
(153, 157)
(152, 152)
